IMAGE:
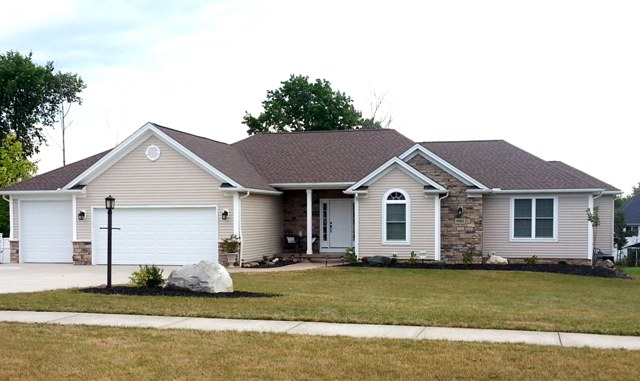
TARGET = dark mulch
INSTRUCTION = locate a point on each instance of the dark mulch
(160, 291)
(546, 268)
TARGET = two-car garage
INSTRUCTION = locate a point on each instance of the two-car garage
(157, 235)
(142, 235)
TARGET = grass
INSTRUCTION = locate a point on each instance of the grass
(633, 271)
(51, 352)
(446, 298)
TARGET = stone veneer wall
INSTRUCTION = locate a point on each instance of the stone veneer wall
(458, 235)
(81, 252)
(294, 205)
(14, 251)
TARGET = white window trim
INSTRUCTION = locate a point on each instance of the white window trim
(407, 202)
(512, 237)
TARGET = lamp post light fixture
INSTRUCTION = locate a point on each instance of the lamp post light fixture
(110, 204)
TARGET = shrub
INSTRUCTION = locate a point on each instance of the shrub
(562, 262)
(350, 254)
(365, 259)
(467, 258)
(147, 276)
(231, 244)
(394, 258)
(532, 260)
(413, 258)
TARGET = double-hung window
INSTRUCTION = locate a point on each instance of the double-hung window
(396, 217)
(534, 218)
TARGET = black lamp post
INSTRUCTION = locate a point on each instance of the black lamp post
(109, 203)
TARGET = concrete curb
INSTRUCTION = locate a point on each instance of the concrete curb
(328, 329)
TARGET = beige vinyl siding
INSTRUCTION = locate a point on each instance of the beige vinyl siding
(422, 218)
(14, 219)
(171, 180)
(604, 239)
(261, 222)
(572, 240)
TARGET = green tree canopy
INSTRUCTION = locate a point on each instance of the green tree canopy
(31, 96)
(300, 105)
(14, 167)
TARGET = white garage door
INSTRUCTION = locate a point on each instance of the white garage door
(160, 236)
(46, 231)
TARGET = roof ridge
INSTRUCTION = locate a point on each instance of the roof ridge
(188, 133)
(324, 131)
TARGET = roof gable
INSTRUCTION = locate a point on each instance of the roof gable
(395, 162)
(631, 210)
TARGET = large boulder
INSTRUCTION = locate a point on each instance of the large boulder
(497, 260)
(379, 260)
(202, 277)
(607, 264)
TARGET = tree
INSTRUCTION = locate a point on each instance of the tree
(620, 231)
(14, 167)
(31, 96)
(593, 216)
(375, 121)
(300, 105)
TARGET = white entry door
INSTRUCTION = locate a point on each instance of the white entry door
(337, 224)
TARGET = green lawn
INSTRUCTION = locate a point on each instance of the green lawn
(451, 298)
(634, 271)
(51, 352)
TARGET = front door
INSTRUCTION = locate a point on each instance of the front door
(337, 224)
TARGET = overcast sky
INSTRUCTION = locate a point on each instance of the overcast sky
(560, 79)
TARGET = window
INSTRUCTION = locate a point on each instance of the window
(396, 217)
(534, 218)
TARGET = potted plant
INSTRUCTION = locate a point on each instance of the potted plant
(231, 247)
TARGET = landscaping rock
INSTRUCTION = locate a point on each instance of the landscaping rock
(497, 260)
(202, 277)
(607, 264)
(379, 260)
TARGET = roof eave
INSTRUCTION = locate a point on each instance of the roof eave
(522, 191)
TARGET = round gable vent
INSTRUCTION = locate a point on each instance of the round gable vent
(153, 152)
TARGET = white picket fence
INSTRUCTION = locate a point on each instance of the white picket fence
(4, 250)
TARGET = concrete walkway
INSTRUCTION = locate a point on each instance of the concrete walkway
(328, 329)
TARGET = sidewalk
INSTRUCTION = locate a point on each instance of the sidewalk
(328, 329)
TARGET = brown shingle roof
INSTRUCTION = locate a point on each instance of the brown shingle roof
(584, 176)
(322, 156)
(224, 157)
(56, 178)
(498, 164)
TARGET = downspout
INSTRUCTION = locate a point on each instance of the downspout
(438, 226)
(356, 205)
(239, 216)
(591, 238)
(10, 201)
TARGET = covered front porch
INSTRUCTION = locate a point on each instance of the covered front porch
(325, 215)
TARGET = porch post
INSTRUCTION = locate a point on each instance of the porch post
(309, 222)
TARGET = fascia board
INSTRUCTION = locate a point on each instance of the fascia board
(250, 190)
(386, 167)
(418, 149)
(546, 191)
(298, 186)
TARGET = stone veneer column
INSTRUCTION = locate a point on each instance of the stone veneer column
(457, 235)
(81, 252)
(14, 251)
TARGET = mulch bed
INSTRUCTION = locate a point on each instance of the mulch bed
(545, 268)
(160, 291)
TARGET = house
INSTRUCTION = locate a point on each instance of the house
(178, 195)
(631, 211)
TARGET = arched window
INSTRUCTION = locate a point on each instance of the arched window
(396, 216)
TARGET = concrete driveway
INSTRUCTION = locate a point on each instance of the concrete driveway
(30, 277)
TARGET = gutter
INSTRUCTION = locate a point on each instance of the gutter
(524, 191)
